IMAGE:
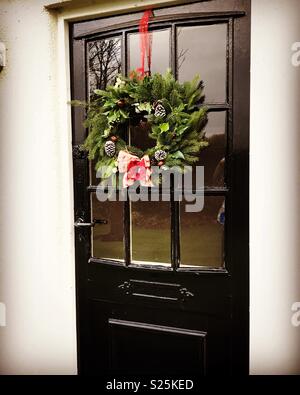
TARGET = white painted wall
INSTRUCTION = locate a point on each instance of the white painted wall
(275, 187)
(36, 231)
(36, 234)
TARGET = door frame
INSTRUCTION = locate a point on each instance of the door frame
(239, 182)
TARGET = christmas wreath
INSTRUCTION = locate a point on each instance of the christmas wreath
(173, 113)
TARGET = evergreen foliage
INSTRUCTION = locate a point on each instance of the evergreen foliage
(179, 132)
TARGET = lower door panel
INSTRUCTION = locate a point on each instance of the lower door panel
(160, 342)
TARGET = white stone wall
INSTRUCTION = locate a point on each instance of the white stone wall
(37, 282)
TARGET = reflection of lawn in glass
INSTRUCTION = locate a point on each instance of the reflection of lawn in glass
(151, 245)
(201, 245)
(107, 248)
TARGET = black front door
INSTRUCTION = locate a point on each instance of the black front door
(159, 289)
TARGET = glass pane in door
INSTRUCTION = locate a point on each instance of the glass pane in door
(202, 50)
(104, 63)
(107, 238)
(150, 232)
(212, 157)
(202, 234)
(160, 51)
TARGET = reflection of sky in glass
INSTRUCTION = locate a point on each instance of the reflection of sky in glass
(160, 51)
(202, 50)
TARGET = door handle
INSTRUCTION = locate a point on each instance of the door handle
(81, 224)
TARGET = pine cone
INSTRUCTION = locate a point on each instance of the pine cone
(160, 155)
(110, 148)
(160, 110)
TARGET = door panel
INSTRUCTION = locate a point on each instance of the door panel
(137, 345)
(161, 343)
(159, 289)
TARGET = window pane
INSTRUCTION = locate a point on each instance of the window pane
(104, 62)
(202, 234)
(213, 156)
(107, 239)
(150, 232)
(202, 51)
(160, 51)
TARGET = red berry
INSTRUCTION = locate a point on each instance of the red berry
(121, 103)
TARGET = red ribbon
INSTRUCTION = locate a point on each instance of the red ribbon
(145, 43)
(134, 169)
